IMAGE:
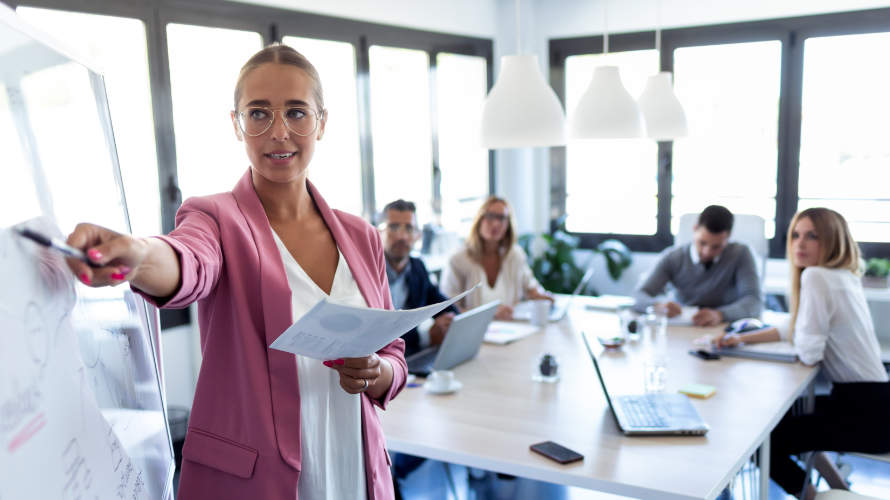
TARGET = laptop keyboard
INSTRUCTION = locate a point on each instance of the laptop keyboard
(642, 412)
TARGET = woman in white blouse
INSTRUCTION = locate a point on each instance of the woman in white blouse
(492, 256)
(830, 323)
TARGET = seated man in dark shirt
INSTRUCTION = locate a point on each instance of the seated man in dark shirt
(717, 276)
(409, 281)
(410, 286)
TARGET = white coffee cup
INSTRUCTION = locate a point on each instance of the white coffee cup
(540, 312)
(440, 380)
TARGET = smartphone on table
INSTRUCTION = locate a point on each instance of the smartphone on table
(556, 452)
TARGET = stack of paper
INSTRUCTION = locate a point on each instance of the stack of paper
(504, 332)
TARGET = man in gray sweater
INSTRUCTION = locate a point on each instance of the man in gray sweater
(718, 277)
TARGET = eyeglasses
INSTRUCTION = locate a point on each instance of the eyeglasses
(256, 121)
(496, 217)
(395, 227)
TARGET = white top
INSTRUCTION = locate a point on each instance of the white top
(834, 326)
(514, 279)
(498, 292)
(330, 418)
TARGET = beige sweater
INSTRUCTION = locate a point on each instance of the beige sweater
(463, 272)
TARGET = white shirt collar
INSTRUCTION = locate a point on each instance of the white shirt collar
(696, 259)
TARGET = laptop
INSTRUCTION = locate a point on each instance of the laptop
(560, 305)
(651, 414)
(461, 343)
(781, 351)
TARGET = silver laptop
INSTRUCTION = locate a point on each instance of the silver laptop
(560, 305)
(461, 343)
(648, 414)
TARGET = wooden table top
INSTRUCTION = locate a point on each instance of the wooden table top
(500, 411)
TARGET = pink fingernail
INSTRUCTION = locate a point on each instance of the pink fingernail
(327, 363)
(117, 276)
(339, 362)
(86, 279)
(124, 270)
(94, 254)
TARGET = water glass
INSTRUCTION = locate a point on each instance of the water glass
(654, 376)
(654, 350)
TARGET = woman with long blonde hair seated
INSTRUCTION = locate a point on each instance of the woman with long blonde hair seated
(830, 323)
(492, 256)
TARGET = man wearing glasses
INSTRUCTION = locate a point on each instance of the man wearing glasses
(410, 286)
(409, 281)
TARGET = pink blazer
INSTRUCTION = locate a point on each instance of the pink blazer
(243, 440)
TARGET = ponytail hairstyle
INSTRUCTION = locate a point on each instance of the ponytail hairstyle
(281, 54)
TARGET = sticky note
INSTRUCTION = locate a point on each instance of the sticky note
(702, 391)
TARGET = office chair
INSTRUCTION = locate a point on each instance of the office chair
(838, 494)
(747, 229)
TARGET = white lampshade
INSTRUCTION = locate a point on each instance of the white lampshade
(665, 119)
(522, 110)
(606, 110)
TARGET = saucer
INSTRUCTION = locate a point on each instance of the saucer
(455, 386)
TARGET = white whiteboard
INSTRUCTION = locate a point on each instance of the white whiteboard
(81, 407)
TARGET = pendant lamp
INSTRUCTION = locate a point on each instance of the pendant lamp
(522, 110)
(606, 110)
(665, 118)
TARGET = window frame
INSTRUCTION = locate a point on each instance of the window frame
(791, 32)
(272, 23)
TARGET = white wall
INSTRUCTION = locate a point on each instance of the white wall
(464, 17)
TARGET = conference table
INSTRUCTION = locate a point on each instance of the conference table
(500, 410)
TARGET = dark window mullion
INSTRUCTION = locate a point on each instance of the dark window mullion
(791, 95)
(665, 161)
(558, 154)
(366, 146)
(436, 177)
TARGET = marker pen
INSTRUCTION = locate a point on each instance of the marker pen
(55, 244)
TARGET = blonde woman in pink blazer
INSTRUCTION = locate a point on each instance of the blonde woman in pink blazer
(266, 424)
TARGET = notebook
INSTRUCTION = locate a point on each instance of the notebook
(651, 414)
(461, 343)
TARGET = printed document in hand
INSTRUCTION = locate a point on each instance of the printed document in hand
(331, 331)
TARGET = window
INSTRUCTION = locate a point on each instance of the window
(844, 150)
(461, 83)
(784, 114)
(400, 121)
(730, 93)
(336, 168)
(124, 64)
(204, 66)
(604, 174)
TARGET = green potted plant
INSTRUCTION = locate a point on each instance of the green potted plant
(551, 260)
(877, 273)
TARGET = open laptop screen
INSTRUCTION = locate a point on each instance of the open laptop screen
(599, 375)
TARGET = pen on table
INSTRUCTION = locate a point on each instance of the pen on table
(55, 244)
